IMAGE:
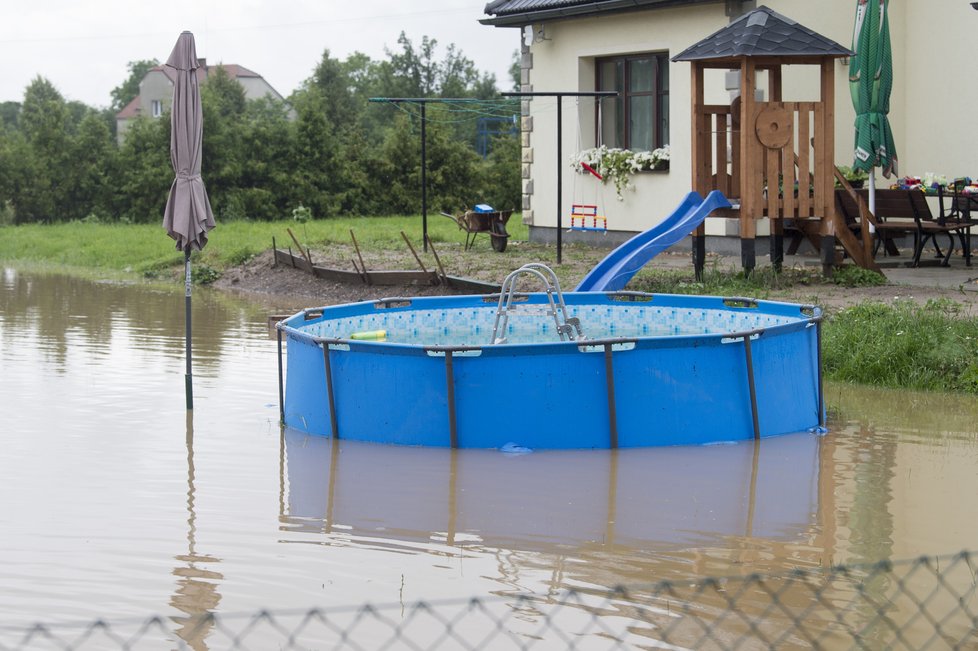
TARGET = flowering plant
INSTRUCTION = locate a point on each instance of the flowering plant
(617, 165)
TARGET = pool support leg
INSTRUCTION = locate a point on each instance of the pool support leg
(609, 372)
(820, 388)
(450, 393)
(750, 385)
(281, 385)
(328, 369)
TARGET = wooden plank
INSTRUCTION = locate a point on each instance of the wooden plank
(773, 157)
(804, 158)
(788, 165)
(374, 277)
(338, 275)
(289, 259)
(470, 285)
(819, 166)
(774, 83)
(402, 278)
(723, 175)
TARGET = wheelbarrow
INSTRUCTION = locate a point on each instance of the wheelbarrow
(492, 222)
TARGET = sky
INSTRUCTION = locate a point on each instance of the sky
(83, 46)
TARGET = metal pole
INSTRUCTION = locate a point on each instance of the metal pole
(560, 96)
(424, 180)
(189, 376)
(560, 167)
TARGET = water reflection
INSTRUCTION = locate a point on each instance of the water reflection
(62, 313)
(119, 508)
(197, 585)
(603, 507)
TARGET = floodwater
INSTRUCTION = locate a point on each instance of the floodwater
(117, 505)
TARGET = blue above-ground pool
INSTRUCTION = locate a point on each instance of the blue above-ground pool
(650, 370)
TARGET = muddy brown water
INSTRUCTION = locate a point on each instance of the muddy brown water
(117, 505)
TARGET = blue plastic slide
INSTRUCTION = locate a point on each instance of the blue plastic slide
(618, 267)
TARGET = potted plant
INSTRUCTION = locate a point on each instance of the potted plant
(856, 178)
(617, 165)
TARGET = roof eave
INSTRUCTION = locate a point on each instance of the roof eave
(581, 11)
(727, 58)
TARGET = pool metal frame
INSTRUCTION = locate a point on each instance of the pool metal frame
(608, 345)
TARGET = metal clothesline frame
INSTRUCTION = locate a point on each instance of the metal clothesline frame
(560, 155)
(423, 102)
(559, 95)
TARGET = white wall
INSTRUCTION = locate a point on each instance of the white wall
(932, 100)
(565, 62)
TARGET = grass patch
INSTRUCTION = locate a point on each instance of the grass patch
(145, 250)
(931, 346)
(718, 281)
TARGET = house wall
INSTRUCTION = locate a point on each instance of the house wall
(257, 87)
(930, 99)
(155, 86)
(564, 61)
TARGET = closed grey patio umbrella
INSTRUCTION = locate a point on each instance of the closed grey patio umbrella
(187, 216)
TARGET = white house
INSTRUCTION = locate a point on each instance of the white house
(156, 91)
(627, 45)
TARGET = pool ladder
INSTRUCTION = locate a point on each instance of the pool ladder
(568, 328)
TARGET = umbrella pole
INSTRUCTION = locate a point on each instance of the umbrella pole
(872, 196)
(189, 375)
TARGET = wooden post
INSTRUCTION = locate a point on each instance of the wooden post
(825, 166)
(751, 170)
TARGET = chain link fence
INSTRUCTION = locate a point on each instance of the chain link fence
(927, 603)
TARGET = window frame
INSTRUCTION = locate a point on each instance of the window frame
(659, 94)
(156, 108)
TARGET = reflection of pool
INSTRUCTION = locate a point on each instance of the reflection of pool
(655, 370)
(676, 497)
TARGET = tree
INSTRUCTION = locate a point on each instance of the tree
(502, 182)
(44, 124)
(315, 156)
(88, 190)
(516, 71)
(9, 112)
(224, 104)
(264, 184)
(145, 173)
(128, 90)
(332, 79)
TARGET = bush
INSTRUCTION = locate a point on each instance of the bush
(907, 345)
(851, 275)
(202, 274)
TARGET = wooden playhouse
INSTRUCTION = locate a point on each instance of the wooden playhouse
(772, 158)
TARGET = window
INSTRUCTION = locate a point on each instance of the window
(156, 108)
(638, 118)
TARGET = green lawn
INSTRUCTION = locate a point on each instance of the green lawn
(143, 249)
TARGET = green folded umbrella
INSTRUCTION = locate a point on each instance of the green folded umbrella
(870, 81)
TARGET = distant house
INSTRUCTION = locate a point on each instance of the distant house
(629, 45)
(156, 91)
